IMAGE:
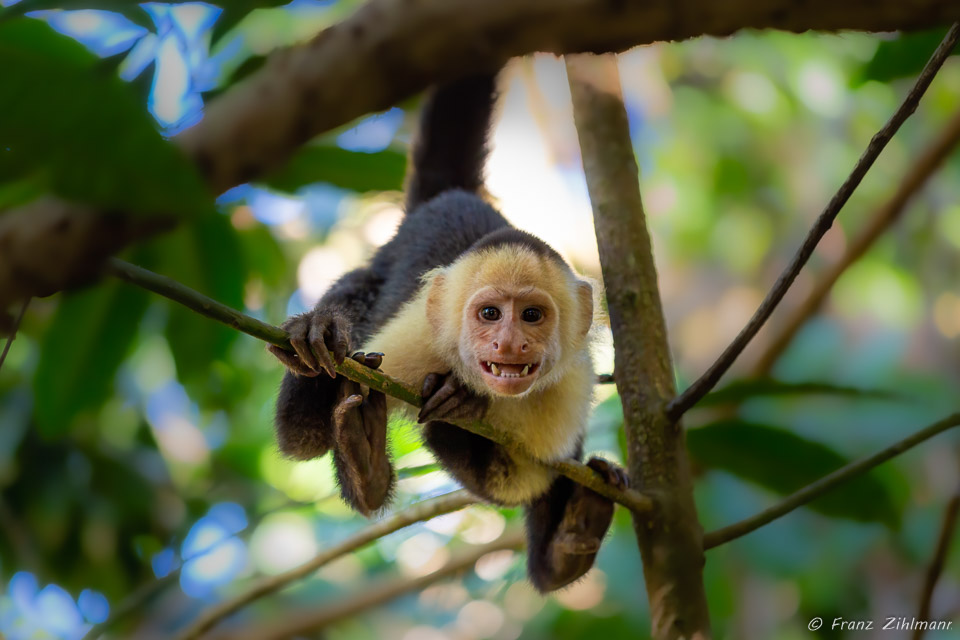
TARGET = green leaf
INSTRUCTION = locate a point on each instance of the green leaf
(902, 57)
(204, 255)
(237, 10)
(19, 192)
(69, 120)
(413, 472)
(89, 336)
(354, 170)
(742, 390)
(784, 462)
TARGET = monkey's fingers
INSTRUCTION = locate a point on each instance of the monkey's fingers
(291, 361)
(319, 347)
(613, 474)
(372, 360)
(438, 399)
(431, 383)
(299, 329)
(337, 336)
(344, 407)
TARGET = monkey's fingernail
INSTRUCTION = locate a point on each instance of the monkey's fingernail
(375, 353)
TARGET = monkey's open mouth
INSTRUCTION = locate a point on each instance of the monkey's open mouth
(508, 370)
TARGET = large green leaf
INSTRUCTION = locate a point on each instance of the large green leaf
(67, 119)
(204, 255)
(784, 462)
(902, 57)
(354, 170)
(741, 390)
(87, 340)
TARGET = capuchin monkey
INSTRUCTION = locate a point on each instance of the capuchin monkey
(487, 320)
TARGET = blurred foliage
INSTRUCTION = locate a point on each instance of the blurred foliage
(136, 436)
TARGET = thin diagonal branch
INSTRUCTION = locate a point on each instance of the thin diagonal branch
(417, 513)
(355, 371)
(825, 484)
(930, 160)
(370, 596)
(939, 559)
(13, 331)
(679, 405)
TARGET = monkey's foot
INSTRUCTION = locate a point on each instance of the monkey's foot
(586, 518)
(611, 473)
(360, 453)
(313, 336)
(446, 398)
(587, 515)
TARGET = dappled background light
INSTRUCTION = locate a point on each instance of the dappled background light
(168, 468)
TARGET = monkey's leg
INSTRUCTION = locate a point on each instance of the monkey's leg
(360, 454)
(304, 420)
(565, 527)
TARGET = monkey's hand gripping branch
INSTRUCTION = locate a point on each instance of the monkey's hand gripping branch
(637, 502)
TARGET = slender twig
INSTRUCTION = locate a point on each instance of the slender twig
(373, 595)
(355, 371)
(13, 331)
(926, 166)
(825, 484)
(937, 562)
(679, 405)
(416, 513)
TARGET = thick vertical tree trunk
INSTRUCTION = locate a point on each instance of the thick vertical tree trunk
(670, 540)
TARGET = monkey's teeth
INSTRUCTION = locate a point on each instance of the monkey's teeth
(526, 370)
(495, 369)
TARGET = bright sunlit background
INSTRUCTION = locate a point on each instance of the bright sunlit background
(173, 475)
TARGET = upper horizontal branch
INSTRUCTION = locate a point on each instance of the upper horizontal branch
(385, 52)
(355, 371)
(391, 49)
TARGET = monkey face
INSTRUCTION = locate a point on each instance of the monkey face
(510, 334)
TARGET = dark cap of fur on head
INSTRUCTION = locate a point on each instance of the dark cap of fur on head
(511, 236)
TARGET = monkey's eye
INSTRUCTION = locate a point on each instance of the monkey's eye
(531, 314)
(490, 313)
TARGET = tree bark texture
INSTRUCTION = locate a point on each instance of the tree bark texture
(671, 541)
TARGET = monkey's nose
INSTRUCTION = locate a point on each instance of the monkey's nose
(508, 347)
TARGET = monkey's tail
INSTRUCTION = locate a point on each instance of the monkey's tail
(451, 146)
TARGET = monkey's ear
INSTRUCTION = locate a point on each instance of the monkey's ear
(436, 292)
(585, 305)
